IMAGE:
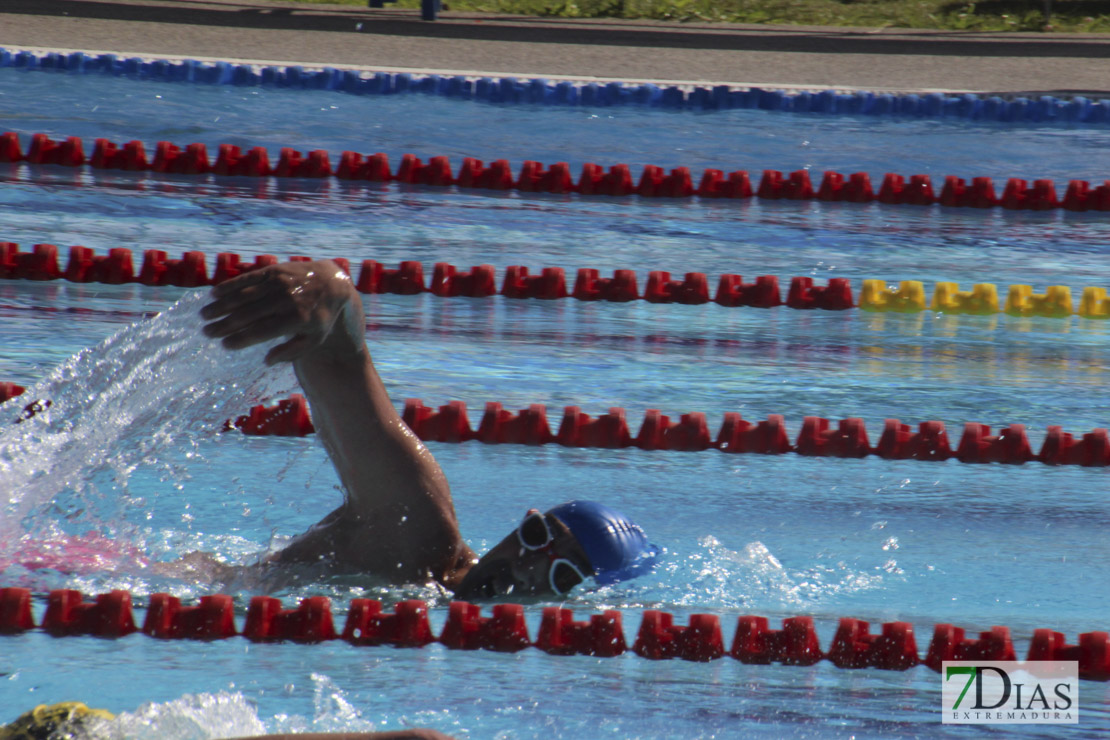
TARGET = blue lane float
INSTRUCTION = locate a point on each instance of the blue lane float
(1045, 109)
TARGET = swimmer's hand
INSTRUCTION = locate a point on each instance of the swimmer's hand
(313, 303)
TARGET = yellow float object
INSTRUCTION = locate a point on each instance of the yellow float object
(1094, 304)
(982, 299)
(909, 298)
(1055, 302)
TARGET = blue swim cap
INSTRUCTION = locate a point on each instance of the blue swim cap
(617, 548)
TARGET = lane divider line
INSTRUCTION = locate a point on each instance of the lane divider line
(568, 92)
(854, 646)
(191, 271)
(535, 177)
(818, 437)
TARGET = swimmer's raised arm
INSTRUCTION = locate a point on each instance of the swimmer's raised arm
(397, 520)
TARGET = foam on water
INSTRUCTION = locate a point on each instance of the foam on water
(730, 578)
(191, 717)
(112, 409)
(222, 714)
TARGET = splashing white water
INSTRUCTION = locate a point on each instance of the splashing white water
(224, 714)
(192, 717)
(115, 407)
(335, 711)
(721, 576)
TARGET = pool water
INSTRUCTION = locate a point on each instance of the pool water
(137, 455)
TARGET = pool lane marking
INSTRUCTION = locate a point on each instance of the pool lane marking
(817, 437)
(534, 177)
(159, 270)
(478, 74)
(893, 647)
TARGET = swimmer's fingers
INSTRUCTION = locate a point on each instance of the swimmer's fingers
(290, 350)
(242, 317)
(265, 284)
(241, 282)
(287, 300)
(231, 300)
(263, 330)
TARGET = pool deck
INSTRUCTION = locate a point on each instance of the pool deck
(471, 43)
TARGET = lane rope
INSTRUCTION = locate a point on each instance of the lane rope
(818, 437)
(116, 267)
(1042, 110)
(893, 647)
(535, 177)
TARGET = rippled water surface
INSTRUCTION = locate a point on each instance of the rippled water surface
(128, 466)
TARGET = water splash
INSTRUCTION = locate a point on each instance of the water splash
(336, 711)
(191, 717)
(713, 575)
(114, 408)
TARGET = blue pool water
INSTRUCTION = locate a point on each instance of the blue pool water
(776, 536)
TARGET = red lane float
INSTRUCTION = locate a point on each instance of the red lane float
(1010, 445)
(406, 627)
(535, 177)
(289, 418)
(480, 281)
(795, 644)
(310, 622)
(117, 267)
(949, 643)
(601, 635)
(818, 437)
(170, 159)
(608, 431)
(621, 288)
(41, 264)
(660, 638)
(107, 156)
(505, 630)
(212, 619)
(894, 648)
(108, 616)
(231, 161)
(1092, 653)
(1060, 448)
(15, 611)
(10, 390)
(187, 272)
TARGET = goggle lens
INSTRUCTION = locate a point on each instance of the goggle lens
(564, 575)
(533, 532)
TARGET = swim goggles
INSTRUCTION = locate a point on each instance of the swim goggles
(534, 533)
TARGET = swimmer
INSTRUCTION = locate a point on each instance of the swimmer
(397, 520)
